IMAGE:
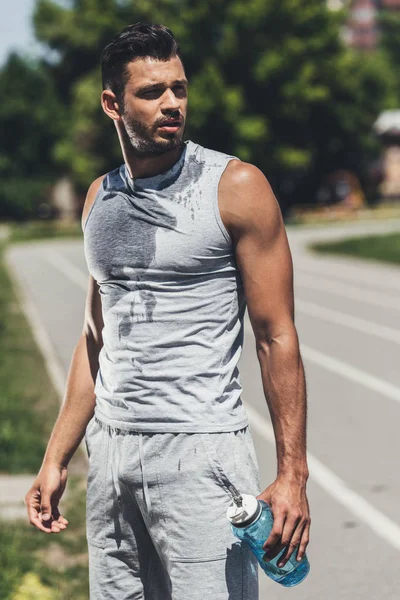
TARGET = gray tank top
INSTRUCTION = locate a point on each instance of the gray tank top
(172, 299)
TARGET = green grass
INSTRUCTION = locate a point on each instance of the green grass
(314, 215)
(28, 401)
(40, 230)
(56, 564)
(34, 565)
(384, 248)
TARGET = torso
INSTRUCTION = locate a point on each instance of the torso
(171, 295)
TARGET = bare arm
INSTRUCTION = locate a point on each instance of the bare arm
(76, 410)
(252, 215)
(79, 399)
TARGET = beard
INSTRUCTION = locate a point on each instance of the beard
(141, 138)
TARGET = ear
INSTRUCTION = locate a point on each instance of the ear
(110, 105)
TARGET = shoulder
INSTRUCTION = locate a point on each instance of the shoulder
(95, 186)
(208, 156)
(90, 197)
(243, 175)
(246, 199)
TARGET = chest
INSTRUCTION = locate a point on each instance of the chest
(165, 237)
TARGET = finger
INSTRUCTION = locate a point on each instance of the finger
(290, 541)
(305, 538)
(287, 534)
(45, 504)
(32, 503)
(58, 517)
(275, 534)
(35, 520)
(56, 526)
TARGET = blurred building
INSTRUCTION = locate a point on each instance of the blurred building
(64, 200)
(387, 127)
(362, 29)
(390, 4)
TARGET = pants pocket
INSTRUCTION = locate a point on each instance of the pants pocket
(235, 576)
(194, 503)
(221, 449)
(91, 425)
(233, 460)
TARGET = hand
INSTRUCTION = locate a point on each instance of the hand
(288, 502)
(42, 499)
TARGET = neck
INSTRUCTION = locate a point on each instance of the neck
(147, 165)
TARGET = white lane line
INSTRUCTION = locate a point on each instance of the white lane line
(352, 373)
(340, 318)
(382, 526)
(323, 284)
(359, 274)
(68, 268)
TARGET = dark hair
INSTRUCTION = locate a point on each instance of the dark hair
(135, 41)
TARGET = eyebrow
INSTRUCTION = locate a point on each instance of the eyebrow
(155, 86)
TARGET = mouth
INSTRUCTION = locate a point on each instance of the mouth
(171, 125)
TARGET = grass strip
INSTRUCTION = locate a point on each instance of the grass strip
(28, 401)
(383, 248)
(34, 565)
(43, 230)
(38, 566)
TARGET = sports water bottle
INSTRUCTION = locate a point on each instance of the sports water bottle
(251, 521)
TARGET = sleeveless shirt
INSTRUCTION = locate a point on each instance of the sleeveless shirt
(172, 299)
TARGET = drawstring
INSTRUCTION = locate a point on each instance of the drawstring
(144, 477)
(115, 470)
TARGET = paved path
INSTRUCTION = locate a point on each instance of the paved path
(348, 319)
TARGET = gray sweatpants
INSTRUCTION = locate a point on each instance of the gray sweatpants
(156, 515)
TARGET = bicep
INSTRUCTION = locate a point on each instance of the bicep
(93, 321)
(265, 264)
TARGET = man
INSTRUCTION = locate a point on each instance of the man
(177, 240)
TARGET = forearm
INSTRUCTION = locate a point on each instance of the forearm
(285, 391)
(78, 404)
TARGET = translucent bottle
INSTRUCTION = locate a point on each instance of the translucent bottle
(251, 521)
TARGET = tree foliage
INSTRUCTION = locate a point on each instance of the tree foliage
(31, 120)
(270, 81)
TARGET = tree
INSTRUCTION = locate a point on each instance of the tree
(31, 121)
(270, 81)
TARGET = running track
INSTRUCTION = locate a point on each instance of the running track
(348, 320)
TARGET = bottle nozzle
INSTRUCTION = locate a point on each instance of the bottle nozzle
(237, 496)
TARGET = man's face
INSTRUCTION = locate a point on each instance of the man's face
(155, 105)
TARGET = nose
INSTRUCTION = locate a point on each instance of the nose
(170, 101)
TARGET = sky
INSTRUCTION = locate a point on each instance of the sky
(16, 31)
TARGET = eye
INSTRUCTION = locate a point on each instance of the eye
(180, 90)
(151, 94)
